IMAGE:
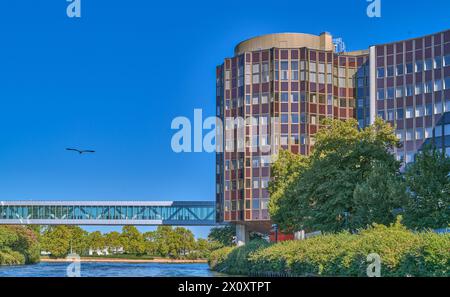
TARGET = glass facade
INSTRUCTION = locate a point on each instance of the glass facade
(413, 89)
(178, 213)
(288, 91)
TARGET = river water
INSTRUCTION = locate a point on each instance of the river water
(92, 269)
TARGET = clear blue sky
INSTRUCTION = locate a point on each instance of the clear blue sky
(114, 79)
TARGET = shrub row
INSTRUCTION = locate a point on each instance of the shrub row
(402, 253)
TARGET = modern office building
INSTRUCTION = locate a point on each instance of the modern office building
(283, 85)
(411, 79)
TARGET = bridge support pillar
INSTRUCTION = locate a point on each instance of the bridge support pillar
(242, 234)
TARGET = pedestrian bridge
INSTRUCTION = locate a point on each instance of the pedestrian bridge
(179, 213)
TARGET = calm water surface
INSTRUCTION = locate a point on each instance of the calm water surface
(109, 269)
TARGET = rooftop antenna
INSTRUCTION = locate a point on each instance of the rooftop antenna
(339, 45)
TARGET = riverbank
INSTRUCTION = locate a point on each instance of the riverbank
(125, 260)
(400, 251)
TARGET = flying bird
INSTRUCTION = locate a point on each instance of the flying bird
(79, 151)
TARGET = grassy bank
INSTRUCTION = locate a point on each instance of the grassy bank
(18, 245)
(402, 253)
(126, 259)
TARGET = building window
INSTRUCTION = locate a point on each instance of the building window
(437, 62)
(409, 134)
(438, 85)
(284, 97)
(294, 118)
(419, 89)
(302, 118)
(255, 99)
(428, 65)
(265, 72)
(409, 90)
(399, 69)
(264, 182)
(419, 133)
(419, 111)
(390, 93)
(264, 203)
(294, 70)
(437, 107)
(428, 87)
(447, 83)
(447, 130)
(255, 72)
(380, 94)
(447, 60)
(409, 68)
(409, 157)
(399, 113)
(302, 139)
(255, 203)
(447, 105)
(390, 71)
(284, 70)
(409, 112)
(390, 115)
(399, 135)
(255, 163)
(264, 98)
(428, 109)
(419, 66)
(399, 92)
(255, 183)
(380, 72)
(428, 132)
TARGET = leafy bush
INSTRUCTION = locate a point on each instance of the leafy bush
(402, 253)
(217, 258)
(235, 260)
(9, 257)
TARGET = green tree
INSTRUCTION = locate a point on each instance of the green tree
(223, 235)
(428, 180)
(185, 241)
(56, 240)
(78, 240)
(61, 240)
(379, 198)
(321, 195)
(163, 238)
(203, 248)
(285, 172)
(113, 241)
(133, 240)
(96, 241)
(18, 245)
(151, 246)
